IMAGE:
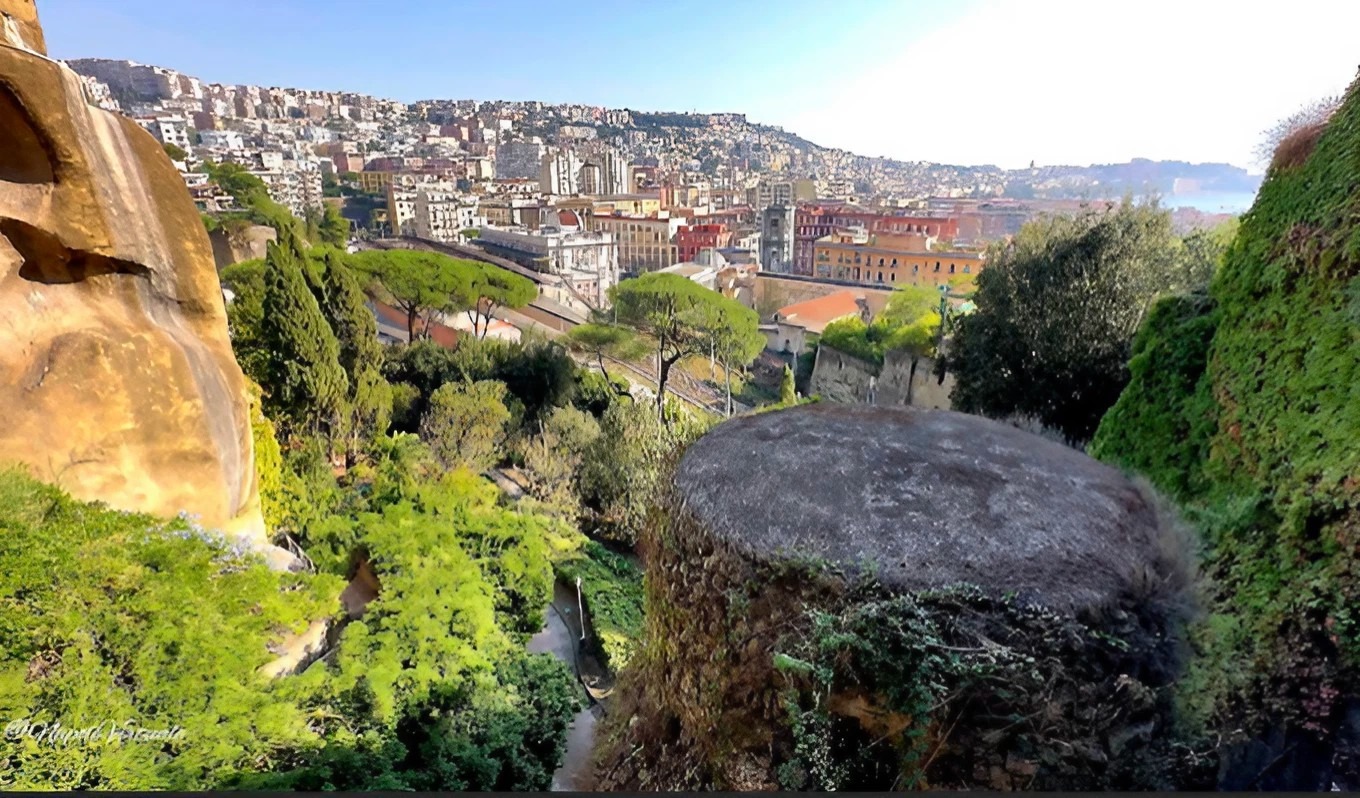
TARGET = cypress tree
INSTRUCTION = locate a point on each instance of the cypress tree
(307, 386)
(361, 354)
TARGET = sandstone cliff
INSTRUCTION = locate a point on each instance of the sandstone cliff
(117, 379)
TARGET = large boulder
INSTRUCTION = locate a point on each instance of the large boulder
(852, 597)
(117, 379)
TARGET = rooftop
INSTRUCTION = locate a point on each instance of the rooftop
(815, 314)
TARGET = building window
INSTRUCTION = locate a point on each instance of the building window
(937, 267)
(915, 268)
(893, 276)
(951, 268)
(880, 277)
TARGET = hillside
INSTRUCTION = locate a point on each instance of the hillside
(1244, 406)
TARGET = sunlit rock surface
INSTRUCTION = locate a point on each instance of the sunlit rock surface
(117, 379)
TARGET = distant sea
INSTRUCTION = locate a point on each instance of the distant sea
(1210, 201)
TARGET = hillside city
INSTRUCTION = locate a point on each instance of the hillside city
(643, 191)
(362, 445)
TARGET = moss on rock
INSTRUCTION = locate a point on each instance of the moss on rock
(790, 645)
(1258, 439)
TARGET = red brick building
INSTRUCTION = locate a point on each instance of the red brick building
(691, 238)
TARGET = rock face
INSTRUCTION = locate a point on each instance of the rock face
(848, 597)
(249, 243)
(931, 499)
(117, 379)
(19, 26)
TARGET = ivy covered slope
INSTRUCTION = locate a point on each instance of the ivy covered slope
(1246, 406)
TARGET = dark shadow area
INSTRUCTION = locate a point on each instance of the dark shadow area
(24, 154)
(47, 260)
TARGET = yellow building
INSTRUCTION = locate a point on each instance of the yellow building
(635, 204)
(646, 243)
(374, 182)
(879, 265)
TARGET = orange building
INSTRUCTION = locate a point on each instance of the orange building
(889, 261)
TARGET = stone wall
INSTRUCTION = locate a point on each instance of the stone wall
(902, 380)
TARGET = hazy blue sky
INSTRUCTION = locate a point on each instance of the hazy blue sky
(957, 81)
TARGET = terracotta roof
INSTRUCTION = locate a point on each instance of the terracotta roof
(568, 219)
(815, 314)
(443, 335)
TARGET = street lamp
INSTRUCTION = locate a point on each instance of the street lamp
(944, 309)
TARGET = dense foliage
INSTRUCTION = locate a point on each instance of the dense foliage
(110, 618)
(1057, 309)
(1244, 406)
(684, 319)
(611, 586)
(909, 322)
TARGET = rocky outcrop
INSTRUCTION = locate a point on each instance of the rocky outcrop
(117, 379)
(19, 26)
(847, 597)
(232, 245)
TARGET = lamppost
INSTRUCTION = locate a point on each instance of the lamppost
(944, 309)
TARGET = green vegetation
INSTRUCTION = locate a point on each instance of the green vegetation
(1242, 404)
(422, 284)
(1057, 310)
(621, 471)
(465, 424)
(787, 393)
(685, 319)
(109, 618)
(306, 386)
(176, 152)
(251, 194)
(611, 586)
(909, 322)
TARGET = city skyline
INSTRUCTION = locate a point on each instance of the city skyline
(926, 81)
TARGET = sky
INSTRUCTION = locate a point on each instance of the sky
(1002, 82)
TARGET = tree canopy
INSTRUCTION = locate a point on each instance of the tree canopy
(1057, 309)
(684, 319)
(305, 381)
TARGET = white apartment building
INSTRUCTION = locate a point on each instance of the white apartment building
(443, 215)
(558, 173)
(587, 263)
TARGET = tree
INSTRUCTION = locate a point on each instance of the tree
(605, 340)
(176, 152)
(787, 394)
(553, 458)
(621, 470)
(1056, 313)
(305, 381)
(245, 317)
(361, 354)
(488, 288)
(734, 339)
(420, 284)
(333, 229)
(677, 313)
(465, 423)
